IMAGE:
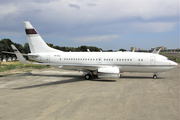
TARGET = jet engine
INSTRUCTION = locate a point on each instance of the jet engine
(108, 72)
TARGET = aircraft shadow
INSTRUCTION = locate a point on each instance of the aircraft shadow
(75, 79)
(94, 79)
(101, 80)
(48, 75)
(138, 77)
(76, 76)
(51, 83)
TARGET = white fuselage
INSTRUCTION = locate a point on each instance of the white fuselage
(126, 61)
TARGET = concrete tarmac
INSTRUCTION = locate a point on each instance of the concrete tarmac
(53, 94)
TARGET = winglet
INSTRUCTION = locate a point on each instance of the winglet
(19, 55)
(159, 50)
(156, 52)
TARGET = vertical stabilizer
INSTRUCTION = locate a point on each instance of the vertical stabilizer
(36, 43)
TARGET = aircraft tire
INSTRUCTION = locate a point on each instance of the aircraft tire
(87, 76)
(155, 76)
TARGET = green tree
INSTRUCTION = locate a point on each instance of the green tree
(108, 50)
(5, 45)
(50, 45)
(26, 48)
(122, 49)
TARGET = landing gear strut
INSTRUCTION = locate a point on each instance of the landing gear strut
(120, 75)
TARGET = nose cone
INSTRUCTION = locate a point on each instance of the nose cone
(174, 64)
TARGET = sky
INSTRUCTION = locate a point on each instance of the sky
(107, 24)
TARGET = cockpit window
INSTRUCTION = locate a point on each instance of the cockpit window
(164, 58)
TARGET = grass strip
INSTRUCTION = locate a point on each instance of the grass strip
(17, 65)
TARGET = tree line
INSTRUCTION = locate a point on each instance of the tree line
(78, 49)
(5, 45)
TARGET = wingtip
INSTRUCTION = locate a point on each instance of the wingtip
(14, 48)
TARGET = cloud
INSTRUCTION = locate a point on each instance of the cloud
(97, 38)
(91, 5)
(74, 6)
(101, 20)
(156, 27)
(37, 10)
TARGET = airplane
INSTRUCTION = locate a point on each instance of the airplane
(99, 64)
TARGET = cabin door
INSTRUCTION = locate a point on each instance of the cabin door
(152, 60)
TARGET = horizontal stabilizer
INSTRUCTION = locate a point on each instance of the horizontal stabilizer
(22, 54)
(19, 55)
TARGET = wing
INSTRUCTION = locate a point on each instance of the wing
(74, 66)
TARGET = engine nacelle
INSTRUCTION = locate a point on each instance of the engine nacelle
(108, 72)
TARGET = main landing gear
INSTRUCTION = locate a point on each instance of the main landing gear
(155, 76)
(90, 75)
(87, 76)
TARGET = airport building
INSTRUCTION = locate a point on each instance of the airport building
(157, 48)
(133, 48)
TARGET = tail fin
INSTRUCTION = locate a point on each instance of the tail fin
(36, 43)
